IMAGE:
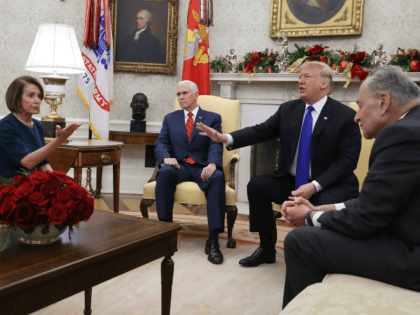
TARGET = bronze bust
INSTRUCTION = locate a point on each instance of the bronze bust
(138, 106)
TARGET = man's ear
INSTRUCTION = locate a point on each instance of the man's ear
(385, 104)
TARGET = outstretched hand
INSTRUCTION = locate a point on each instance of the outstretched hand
(211, 133)
(62, 134)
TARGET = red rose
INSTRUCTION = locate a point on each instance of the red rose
(42, 218)
(23, 214)
(316, 50)
(73, 217)
(257, 55)
(85, 208)
(8, 190)
(60, 174)
(63, 196)
(414, 65)
(75, 192)
(37, 198)
(50, 188)
(7, 210)
(39, 177)
(19, 180)
(58, 213)
(323, 59)
(24, 189)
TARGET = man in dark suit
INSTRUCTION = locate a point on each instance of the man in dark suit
(186, 156)
(141, 45)
(319, 167)
(376, 235)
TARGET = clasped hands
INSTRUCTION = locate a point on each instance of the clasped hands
(295, 210)
(205, 174)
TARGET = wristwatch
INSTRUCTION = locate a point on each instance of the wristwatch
(308, 219)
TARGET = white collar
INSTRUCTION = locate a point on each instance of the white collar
(318, 106)
(195, 111)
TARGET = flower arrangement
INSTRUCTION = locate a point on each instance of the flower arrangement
(219, 63)
(261, 61)
(40, 198)
(408, 60)
(316, 53)
(353, 63)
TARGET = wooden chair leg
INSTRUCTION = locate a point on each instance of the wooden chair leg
(144, 205)
(232, 212)
(88, 301)
(276, 215)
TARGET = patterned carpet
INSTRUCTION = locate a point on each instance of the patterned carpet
(192, 225)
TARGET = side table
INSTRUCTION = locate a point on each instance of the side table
(148, 138)
(90, 153)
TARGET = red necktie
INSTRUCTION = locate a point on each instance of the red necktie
(189, 126)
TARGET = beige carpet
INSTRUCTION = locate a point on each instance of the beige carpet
(199, 287)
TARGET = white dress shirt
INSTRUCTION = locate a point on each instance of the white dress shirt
(194, 112)
(136, 36)
(318, 106)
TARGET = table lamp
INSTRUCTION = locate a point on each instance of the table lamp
(55, 51)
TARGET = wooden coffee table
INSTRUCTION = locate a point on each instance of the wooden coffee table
(106, 246)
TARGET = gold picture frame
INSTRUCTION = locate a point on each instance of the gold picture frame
(155, 49)
(301, 18)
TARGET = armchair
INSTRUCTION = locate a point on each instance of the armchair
(189, 194)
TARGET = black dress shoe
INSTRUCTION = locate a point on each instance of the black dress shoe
(260, 256)
(212, 249)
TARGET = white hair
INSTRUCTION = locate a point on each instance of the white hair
(148, 15)
(191, 84)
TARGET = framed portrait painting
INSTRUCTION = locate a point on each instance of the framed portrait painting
(145, 35)
(304, 18)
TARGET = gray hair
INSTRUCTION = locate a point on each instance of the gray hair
(393, 80)
(148, 15)
(191, 84)
(324, 71)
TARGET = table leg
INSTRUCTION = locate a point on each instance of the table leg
(78, 175)
(167, 274)
(116, 169)
(98, 182)
(88, 301)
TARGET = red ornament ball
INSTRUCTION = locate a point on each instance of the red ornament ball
(414, 65)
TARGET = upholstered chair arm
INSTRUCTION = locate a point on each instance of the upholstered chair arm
(233, 160)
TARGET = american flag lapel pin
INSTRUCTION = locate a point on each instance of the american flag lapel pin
(325, 117)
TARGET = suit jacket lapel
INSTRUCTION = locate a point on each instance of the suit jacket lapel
(180, 123)
(199, 118)
(296, 121)
(324, 116)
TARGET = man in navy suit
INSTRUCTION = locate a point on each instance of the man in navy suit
(186, 156)
(331, 154)
(376, 235)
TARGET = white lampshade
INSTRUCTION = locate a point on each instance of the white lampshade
(55, 50)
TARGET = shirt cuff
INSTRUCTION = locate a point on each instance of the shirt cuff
(339, 206)
(230, 140)
(317, 186)
(315, 218)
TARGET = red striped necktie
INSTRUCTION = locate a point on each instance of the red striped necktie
(189, 126)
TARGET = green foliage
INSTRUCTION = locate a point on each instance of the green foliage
(219, 63)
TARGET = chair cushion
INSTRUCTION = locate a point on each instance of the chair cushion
(190, 193)
(343, 294)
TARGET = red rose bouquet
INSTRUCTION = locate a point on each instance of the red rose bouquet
(41, 198)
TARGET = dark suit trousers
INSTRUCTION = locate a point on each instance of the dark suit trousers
(312, 252)
(167, 179)
(267, 188)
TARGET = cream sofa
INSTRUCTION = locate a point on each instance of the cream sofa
(340, 294)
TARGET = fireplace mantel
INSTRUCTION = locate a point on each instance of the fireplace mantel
(228, 84)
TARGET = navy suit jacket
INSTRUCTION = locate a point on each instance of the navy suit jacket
(173, 142)
(335, 145)
(387, 210)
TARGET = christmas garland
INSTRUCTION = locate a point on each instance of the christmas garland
(408, 60)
